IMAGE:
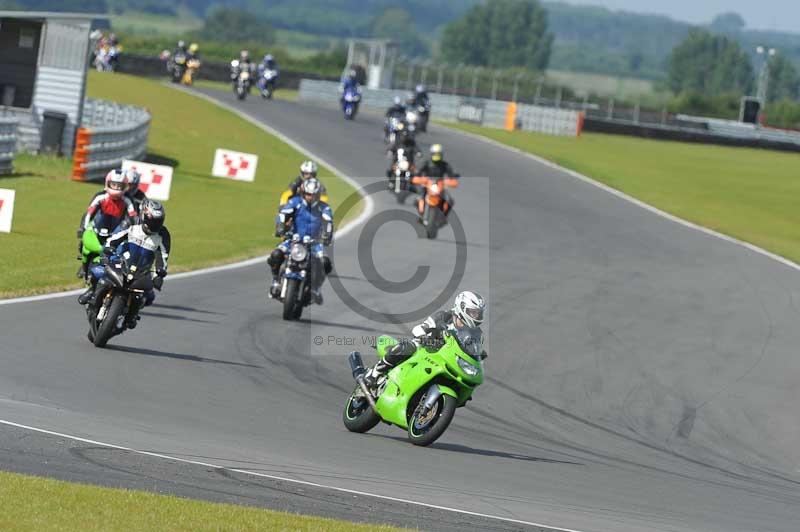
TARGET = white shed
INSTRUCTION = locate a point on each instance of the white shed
(43, 63)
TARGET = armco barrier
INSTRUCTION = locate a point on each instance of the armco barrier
(451, 107)
(8, 144)
(109, 133)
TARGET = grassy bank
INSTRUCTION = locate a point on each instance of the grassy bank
(212, 220)
(747, 193)
(45, 505)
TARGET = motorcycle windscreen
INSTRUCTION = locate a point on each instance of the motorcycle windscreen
(470, 340)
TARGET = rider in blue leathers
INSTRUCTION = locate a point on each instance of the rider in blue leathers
(304, 215)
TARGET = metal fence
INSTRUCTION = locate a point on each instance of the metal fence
(109, 133)
(452, 108)
(8, 144)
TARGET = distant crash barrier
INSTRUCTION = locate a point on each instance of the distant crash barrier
(455, 108)
(8, 144)
(109, 134)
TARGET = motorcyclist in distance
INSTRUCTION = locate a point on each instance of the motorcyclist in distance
(434, 169)
(468, 311)
(268, 63)
(421, 98)
(240, 64)
(397, 111)
(193, 52)
(308, 169)
(180, 49)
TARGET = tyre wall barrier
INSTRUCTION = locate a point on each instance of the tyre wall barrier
(109, 133)
(8, 144)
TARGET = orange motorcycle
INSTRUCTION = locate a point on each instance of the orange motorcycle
(435, 203)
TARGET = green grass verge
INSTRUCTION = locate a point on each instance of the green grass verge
(746, 193)
(279, 94)
(46, 505)
(212, 220)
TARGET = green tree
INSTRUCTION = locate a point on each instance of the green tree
(727, 23)
(501, 33)
(237, 25)
(784, 81)
(709, 64)
(396, 24)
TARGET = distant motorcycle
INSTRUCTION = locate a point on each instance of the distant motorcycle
(106, 59)
(435, 203)
(350, 100)
(392, 125)
(295, 275)
(177, 67)
(266, 83)
(423, 114)
(400, 174)
(241, 79)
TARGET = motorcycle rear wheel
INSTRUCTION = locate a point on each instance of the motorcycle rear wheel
(359, 417)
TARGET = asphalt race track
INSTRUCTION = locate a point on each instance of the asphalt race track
(642, 375)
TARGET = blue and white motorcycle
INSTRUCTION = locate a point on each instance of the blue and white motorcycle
(266, 82)
(350, 100)
(126, 273)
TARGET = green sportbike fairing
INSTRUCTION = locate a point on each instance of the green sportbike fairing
(421, 394)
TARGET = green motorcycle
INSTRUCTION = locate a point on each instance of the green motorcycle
(94, 238)
(421, 394)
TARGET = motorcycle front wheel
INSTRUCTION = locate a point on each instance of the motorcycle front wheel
(424, 428)
(358, 416)
(292, 300)
(107, 327)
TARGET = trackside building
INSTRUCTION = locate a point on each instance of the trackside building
(43, 64)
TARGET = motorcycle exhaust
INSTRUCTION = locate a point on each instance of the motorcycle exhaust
(356, 364)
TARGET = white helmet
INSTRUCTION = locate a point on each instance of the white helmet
(469, 307)
(309, 167)
(116, 183)
(312, 187)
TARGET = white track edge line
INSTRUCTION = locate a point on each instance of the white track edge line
(630, 199)
(282, 479)
(369, 207)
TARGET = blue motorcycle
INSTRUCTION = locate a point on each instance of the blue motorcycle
(296, 272)
(127, 273)
(350, 100)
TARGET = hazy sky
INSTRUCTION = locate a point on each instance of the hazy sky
(781, 15)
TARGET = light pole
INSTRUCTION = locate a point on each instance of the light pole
(763, 76)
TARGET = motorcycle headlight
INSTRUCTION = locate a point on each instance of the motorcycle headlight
(468, 368)
(245, 75)
(298, 253)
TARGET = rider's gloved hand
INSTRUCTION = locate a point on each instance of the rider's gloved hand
(161, 272)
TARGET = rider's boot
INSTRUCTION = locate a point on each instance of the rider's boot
(374, 374)
(86, 296)
(275, 289)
